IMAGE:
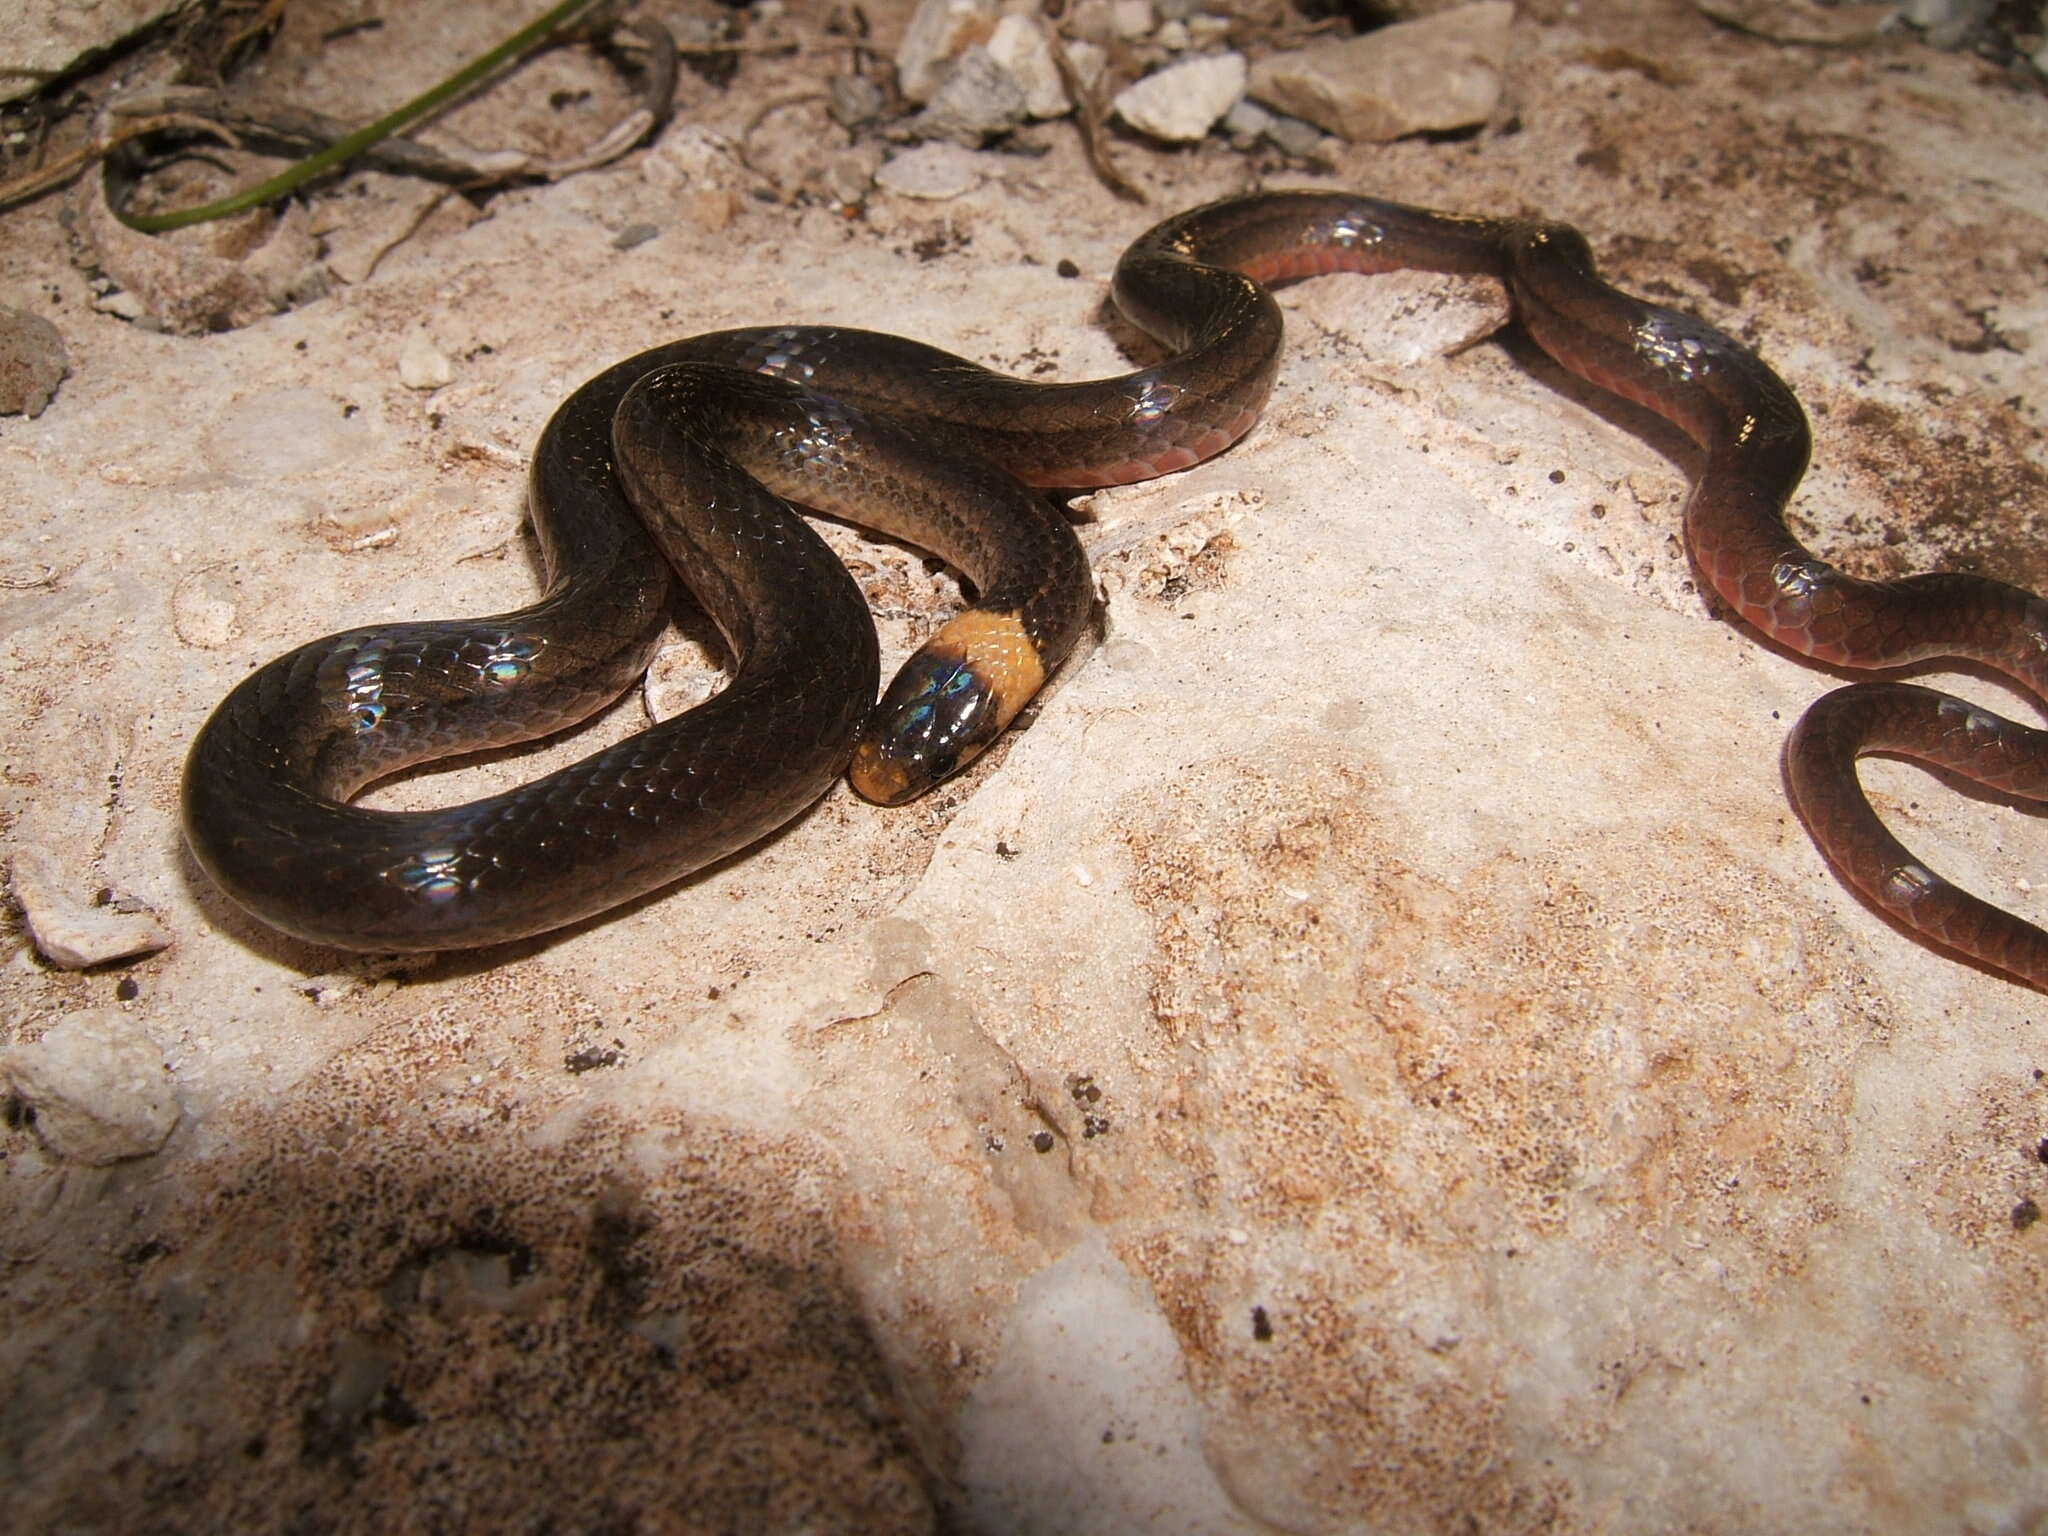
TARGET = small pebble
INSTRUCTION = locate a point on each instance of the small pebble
(980, 100)
(68, 932)
(855, 100)
(422, 365)
(1019, 45)
(121, 304)
(97, 1086)
(33, 362)
(1181, 103)
(933, 172)
(1132, 19)
(1442, 72)
(939, 31)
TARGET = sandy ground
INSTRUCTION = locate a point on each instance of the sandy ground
(1376, 1054)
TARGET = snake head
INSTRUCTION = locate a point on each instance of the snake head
(950, 700)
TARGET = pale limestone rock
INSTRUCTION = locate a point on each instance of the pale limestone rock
(422, 365)
(1019, 45)
(1797, 21)
(1183, 102)
(934, 172)
(1443, 72)
(980, 100)
(939, 32)
(211, 277)
(33, 362)
(695, 170)
(204, 612)
(1132, 20)
(1090, 60)
(97, 1085)
(68, 932)
(50, 37)
(121, 304)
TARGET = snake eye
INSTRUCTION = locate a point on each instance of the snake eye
(944, 705)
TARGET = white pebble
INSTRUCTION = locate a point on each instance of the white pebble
(1182, 103)
(422, 365)
(97, 1085)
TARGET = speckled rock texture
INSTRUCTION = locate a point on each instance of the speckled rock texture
(1375, 1055)
(32, 363)
(51, 36)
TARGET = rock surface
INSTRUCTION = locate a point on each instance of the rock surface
(40, 38)
(213, 277)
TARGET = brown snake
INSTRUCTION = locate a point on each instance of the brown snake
(703, 438)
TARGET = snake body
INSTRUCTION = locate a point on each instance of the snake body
(684, 460)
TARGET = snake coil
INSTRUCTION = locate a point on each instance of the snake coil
(696, 449)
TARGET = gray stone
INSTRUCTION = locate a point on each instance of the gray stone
(939, 32)
(33, 362)
(97, 1086)
(1799, 21)
(422, 365)
(855, 100)
(1183, 102)
(932, 172)
(980, 101)
(69, 933)
(212, 277)
(1020, 46)
(51, 37)
(1443, 72)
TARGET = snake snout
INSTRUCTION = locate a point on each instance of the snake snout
(951, 699)
(935, 718)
